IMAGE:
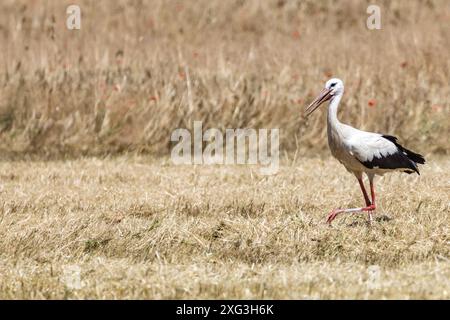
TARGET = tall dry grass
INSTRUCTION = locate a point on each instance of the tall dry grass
(139, 69)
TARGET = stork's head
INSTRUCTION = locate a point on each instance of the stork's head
(333, 87)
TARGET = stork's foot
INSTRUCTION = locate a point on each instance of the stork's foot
(369, 208)
(333, 214)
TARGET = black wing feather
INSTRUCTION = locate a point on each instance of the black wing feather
(402, 159)
(415, 157)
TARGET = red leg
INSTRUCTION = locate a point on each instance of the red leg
(372, 207)
(372, 191)
(369, 206)
(366, 197)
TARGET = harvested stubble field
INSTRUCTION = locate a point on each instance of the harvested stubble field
(93, 208)
(141, 228)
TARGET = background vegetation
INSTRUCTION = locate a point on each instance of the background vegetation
(139, 69)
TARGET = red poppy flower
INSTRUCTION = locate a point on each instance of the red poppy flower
(436, 108)
(296, 34)
(372, 102)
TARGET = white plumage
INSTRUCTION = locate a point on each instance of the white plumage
(365, 146)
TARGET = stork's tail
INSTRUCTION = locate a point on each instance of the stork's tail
(417, 158)
(413, 157)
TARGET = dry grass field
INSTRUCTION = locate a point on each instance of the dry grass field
(141, 228)
(92, 207)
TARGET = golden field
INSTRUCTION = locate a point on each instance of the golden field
(141, 228)
(92, 206)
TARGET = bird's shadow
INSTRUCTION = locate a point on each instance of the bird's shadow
(379, 218)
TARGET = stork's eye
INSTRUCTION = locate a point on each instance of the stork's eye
(333, 84)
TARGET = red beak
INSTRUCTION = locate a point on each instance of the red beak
(321, 98)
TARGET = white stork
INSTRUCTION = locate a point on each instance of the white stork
(361, 151)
